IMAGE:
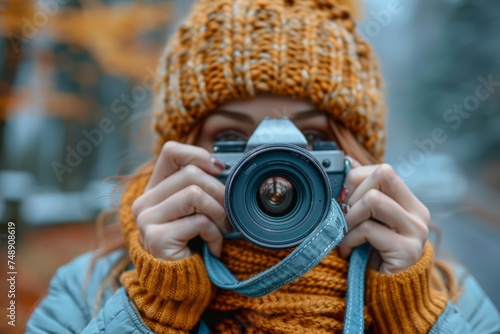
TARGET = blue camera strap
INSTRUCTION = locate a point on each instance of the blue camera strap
(354, 321)
(328, 235)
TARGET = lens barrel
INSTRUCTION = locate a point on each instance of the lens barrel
(276, 195)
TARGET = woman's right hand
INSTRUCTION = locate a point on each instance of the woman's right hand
(181, 201)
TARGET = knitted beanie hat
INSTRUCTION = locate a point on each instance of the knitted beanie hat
(308, 49)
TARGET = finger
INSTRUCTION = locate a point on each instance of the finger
(379, 236)
(169, 241)
(377, 205)
(189, 201)
(358, 174)
(175, 155)
(387, 181)
(198, 225)
(189, 175)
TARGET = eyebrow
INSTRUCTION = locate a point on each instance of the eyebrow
(239, 116)
(235, 115)
(302, 115)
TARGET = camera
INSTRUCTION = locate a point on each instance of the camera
(278, 191)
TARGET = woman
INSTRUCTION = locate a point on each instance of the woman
(231, 64)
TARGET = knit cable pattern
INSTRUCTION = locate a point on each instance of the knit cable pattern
(229, 49)
(313, 303)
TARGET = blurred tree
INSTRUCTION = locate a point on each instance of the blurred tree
(76, 82)
(120, 37)
(71, 69)
(11, 13)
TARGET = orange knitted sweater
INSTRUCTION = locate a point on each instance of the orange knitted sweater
(172, 296)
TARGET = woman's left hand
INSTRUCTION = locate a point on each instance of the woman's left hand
(385, 213)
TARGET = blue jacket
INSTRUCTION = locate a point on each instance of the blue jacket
(69, 305)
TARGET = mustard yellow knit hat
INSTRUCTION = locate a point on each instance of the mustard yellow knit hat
(308, 49)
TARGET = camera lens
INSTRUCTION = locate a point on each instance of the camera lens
(276, 196)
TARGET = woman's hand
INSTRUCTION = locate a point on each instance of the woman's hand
(385, 213)
(181, 201)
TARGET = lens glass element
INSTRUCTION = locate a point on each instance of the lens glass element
(276, 196)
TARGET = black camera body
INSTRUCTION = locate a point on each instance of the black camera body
(278, 191)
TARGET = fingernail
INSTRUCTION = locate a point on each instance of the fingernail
(343, 194)
(345, 208)
(217, 164)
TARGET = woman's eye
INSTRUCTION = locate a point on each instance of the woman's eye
(313, 137)
(229, 136)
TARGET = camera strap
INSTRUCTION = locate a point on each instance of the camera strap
(327, 235)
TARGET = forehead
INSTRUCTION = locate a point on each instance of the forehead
(270, 105)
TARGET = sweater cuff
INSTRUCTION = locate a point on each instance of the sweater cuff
(405, 302)
(169, 295)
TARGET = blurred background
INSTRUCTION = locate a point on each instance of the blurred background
(76, 82)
